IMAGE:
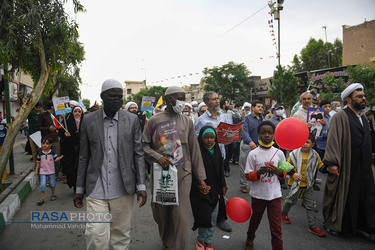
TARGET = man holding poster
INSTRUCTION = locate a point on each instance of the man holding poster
(169, 139)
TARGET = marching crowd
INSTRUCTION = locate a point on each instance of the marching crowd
(108, 154)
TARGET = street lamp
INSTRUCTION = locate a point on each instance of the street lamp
(277, 10)
(325, 31)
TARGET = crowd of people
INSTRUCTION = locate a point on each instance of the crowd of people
(108, 154)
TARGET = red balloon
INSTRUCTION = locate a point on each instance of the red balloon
(291, 133)
(238, 209)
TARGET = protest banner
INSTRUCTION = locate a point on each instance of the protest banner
(61, 105)
(148, 103)
(227, 133)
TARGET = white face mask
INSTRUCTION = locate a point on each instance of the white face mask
(186, 113)
(179, 107)
(247, 112)
(279, 112)
(195, 109)
(338, 109)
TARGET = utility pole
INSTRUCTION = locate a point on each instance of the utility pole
(276, 10)
(325, 31)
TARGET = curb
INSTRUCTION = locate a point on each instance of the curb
(10, 206)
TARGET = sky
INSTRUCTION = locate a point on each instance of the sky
(164, 39)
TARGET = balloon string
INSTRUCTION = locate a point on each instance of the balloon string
(273, 156)
(225, 198)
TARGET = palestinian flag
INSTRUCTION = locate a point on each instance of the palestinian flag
(54, 120)
(148, 116)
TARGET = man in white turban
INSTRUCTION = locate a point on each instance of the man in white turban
(348, 203)
(132, 107)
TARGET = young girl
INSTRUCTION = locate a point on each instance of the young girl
(265, 190)
(205, 207)
(45, 161)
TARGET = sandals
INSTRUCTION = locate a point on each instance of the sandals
(40, 202)
(53, 197)
(199, 245)
(249, 244)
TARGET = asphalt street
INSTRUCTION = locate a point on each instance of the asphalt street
(144, 232)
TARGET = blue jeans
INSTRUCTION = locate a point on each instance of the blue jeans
(43, 180)
(206, 234)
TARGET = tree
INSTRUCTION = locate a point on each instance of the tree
(284, 87)
(154, 91)
(332, 87)
(364, 74)
(86, 102)
(318, 55)
(229, 81)
(37, 37)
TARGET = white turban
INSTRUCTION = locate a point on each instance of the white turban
(350, 89)
(246, 104)
(201, 105)
(194, 103)
(111, 84)
(74, 103)
(127, 106)
(188, 104)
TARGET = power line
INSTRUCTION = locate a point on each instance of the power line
(244, 20)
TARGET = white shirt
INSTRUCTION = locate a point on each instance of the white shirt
(268, 187)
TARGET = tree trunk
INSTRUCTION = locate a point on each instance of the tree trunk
(28, 104)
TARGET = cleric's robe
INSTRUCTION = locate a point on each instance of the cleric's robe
(349, 199)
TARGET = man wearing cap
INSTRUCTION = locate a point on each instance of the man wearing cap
(173, 221)
(349, 195)
(111, 169)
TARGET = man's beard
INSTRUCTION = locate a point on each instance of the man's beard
(359, 106)
(134, 112)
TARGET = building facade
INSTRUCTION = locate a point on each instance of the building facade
(133, 87)
(359, 43)
(19, 86)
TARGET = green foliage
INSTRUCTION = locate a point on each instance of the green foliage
(155, 91)
(29, 28)
(364, 74)
(315, 56)
(86, 102)
(231, 82)
(284, 87)
(334, 86)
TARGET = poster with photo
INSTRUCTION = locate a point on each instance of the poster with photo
(314, 116)
(147, 103)
(167, 141)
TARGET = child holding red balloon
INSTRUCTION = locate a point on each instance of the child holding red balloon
(306, 162)
(205, 207)
(265, 189)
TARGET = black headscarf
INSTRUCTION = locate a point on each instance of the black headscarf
(203, 204)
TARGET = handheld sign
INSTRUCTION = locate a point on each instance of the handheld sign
(148, 103)
(61, 105)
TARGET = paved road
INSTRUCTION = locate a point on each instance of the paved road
(145, 234)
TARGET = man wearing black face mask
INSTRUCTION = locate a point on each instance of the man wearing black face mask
(111, 169)
(348, 203)
(173, 221)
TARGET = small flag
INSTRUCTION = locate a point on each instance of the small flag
(54, 120)
(160, 102)
(81, 104)
(148, 116)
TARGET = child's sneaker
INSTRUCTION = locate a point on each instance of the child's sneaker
(285, 219)
(317, 231)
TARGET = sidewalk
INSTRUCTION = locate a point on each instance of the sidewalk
(15, 194)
